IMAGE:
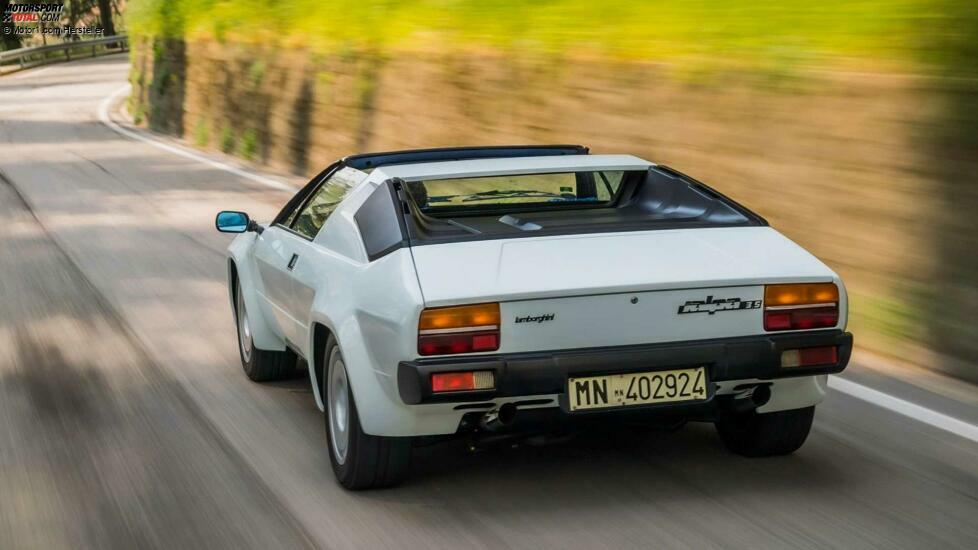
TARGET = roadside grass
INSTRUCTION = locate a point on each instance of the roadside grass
(227, 141)
(201, 133)
(248, 148)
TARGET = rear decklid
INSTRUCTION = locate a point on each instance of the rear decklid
(602, 289)
(573, 265)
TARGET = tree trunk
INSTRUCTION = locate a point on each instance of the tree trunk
(105, 17)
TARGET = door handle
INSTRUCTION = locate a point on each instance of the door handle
(295, 258)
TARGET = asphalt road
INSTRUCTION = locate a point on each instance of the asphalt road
(126, 422)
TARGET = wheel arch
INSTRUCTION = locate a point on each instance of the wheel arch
(320, 334)
(241, 272)
(232, 283)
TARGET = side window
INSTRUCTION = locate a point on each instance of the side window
(290, 219)
(309, 219)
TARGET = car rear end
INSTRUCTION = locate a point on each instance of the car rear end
(657, 298)
(584, 345)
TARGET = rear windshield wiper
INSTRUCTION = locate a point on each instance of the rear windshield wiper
(500, 193)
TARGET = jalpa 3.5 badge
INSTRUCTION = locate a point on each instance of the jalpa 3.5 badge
(711, 305)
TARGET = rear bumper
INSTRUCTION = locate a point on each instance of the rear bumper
(546, 373)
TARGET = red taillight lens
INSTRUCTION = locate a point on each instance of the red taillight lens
(462, 329)
(810, 357)
(801, 306)
(801, 318)
(462, 381)
(459, 342)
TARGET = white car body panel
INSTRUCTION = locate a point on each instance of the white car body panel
(572, 265)
(372, 308)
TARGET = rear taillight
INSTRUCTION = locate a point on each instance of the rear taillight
(801, 306)
(461, 329)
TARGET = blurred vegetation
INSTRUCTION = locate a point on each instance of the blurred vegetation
(227, 140)
(248, 148)
(767, 31)
(952, 137)
(927, 49)
(202, 135)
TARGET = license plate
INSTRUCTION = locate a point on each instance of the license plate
(636, 388)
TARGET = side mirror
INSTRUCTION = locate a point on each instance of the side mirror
(229, 221)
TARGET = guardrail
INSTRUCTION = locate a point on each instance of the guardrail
(27, 57)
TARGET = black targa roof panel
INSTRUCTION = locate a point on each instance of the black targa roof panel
(368, 161)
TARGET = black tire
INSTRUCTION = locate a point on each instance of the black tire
(259, 365)
(366, 461)
(772, 434)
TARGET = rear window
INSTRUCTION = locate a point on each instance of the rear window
(568, 190)
(522, 205)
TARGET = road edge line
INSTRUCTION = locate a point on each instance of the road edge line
(104, 118)
(29, 72)
(905, 408)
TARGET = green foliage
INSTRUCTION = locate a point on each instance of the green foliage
(138, 113)
(227, 139)
(892, 318)
(202, 134)
(249, 144)
(779, 32)
(256, 73)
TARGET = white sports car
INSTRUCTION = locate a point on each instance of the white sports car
(504, 291)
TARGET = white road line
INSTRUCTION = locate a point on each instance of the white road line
(103, 114)
(906, 408)
(30, 72)
(895, 404)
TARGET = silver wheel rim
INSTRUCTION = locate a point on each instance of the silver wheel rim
(244, 329)
(339, 409)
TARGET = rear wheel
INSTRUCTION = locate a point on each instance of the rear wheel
(770, 434)
(260, 365)
(360, 460)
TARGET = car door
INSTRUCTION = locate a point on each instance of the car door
(304, 272)
(274, 251)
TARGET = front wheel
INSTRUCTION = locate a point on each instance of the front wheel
(360, 460)
(771, 434)
(259, 365)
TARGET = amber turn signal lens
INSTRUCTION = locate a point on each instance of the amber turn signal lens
(801, 294)
(479, 315)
